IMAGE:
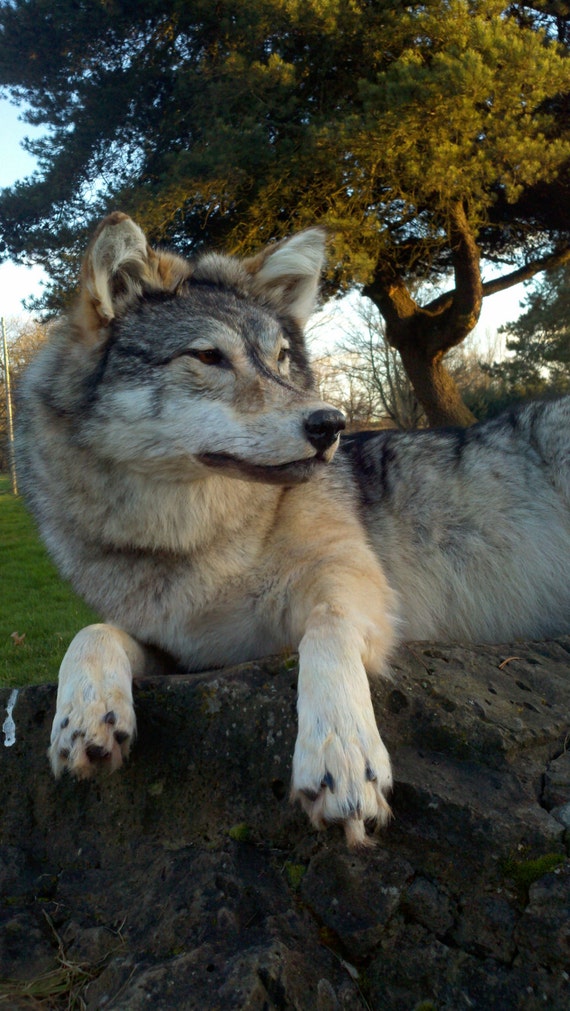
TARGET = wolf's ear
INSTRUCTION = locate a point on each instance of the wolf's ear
(287, 273)
(119, 267)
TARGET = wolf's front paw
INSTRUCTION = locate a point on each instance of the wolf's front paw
(343, 775)
(95, 720)
(91, 733)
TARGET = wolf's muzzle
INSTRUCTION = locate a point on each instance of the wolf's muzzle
(322, 428)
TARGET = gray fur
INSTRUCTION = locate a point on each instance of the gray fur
(473, 525)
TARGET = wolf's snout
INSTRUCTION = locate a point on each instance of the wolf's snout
(322, 428)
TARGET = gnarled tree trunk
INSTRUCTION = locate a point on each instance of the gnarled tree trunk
(423, 334)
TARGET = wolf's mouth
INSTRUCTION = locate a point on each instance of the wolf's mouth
(294, 472)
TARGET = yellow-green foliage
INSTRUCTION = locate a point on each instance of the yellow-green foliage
(456, 113)
(372, 117)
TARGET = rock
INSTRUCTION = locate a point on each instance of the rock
(428, 905)
(557, 782)
(543, 931)
(187, 881)
(355, 896)
(562, 814)
(486, 925)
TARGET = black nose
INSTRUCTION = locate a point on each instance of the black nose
(322, 428)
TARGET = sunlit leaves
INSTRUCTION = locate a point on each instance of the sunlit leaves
(234, 123)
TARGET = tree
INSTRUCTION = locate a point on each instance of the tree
(425, 135)
(366, 360)
(24, 339)
(369, 361)
(340, 383)
(539, 341)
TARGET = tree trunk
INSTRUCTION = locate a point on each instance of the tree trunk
(418, 336)
(436, 389)
(423, 334)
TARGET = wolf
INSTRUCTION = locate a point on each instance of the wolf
(187, 479)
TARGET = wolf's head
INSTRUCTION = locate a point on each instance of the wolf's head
(185, 366)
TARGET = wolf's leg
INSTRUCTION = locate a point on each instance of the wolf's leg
(95, 721)
(341, 769)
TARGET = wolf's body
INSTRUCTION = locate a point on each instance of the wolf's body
(178, 461)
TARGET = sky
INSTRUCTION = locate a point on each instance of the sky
(18, 282)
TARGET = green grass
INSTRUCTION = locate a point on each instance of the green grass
(35, 602)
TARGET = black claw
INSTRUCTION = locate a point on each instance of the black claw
(64, 752)
(76, 734)
(353, 809)
(65, 722)
(371, 776)
(310, 795)
(110, 718)
(95, 752)
(328, 781)
(121, 736)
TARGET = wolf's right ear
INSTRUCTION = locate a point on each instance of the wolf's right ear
(119, 267)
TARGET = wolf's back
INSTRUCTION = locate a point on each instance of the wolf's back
(473, 525)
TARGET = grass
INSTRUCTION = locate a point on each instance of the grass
(36, 603)
(59, 989)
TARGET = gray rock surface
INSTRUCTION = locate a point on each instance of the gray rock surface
(187, 881)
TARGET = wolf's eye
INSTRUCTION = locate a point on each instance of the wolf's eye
(283, 355)
(207, 356)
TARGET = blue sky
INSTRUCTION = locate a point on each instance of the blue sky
(17, 283)
(15, 162)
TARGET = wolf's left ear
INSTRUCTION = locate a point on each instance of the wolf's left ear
(287, 273)
(119, 267)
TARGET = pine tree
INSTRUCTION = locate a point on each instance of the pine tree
(539, 341)
(426, 136)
